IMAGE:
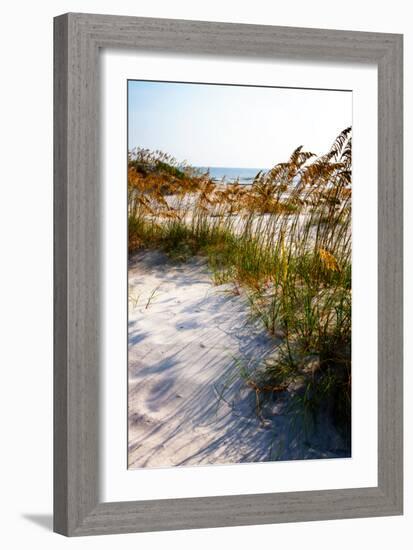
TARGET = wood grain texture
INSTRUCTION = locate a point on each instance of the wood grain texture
(60, 244)
(390, 273)
(78, 38)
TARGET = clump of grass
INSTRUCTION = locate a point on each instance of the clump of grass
(284, 241)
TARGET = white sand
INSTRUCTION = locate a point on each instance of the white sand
(187, 402)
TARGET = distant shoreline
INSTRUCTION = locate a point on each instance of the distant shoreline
(231, 174)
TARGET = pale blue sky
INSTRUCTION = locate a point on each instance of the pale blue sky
(214, 125)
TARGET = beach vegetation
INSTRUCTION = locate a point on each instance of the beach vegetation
(284, 243)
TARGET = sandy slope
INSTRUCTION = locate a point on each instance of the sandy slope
(187, 404)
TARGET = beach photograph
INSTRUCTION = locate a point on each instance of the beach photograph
(239, 274)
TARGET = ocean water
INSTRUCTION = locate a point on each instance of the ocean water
(232, 173)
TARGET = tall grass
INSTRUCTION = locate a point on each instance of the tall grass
(285, 241)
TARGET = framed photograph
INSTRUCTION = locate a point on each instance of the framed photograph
(228, 274)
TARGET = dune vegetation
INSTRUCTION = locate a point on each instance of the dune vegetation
(283, 243)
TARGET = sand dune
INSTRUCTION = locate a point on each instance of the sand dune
(188, 404)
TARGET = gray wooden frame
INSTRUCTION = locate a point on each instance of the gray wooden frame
(78, 39)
